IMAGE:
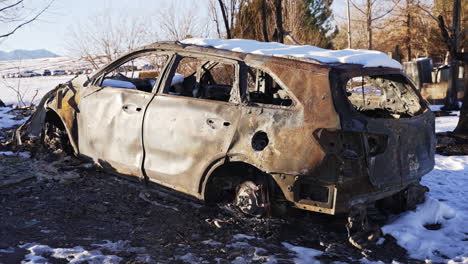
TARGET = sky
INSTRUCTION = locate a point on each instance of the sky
(52, 30)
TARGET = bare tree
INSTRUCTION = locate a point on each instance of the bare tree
(373, 10)
(104, 37)
(15, 15)
(182, 24)
(279, 31)
(264, 21)
(229, 10)
(451, 35)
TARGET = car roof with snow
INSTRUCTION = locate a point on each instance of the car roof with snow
(239, 48)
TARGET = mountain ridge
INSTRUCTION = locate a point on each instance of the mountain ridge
(21, 54)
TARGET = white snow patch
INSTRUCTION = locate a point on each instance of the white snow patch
(212, 243)
(190, 258)
(28, 88)
(20, 154)
(7, 120)
(178, 78)
(445, 123)
(304, 255)
(238, 244)
(242, 236)
(72, 255)
(367, 58)
(446, 204)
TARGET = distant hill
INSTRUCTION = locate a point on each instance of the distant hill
(26, 54)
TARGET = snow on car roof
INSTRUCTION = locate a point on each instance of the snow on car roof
(366, 58)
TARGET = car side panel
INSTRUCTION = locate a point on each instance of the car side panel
(183, 136)
(292, 148)
(110, 128)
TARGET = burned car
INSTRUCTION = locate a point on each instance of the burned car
(256, 129)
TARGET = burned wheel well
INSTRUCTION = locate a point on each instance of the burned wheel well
(222, 183)
(53, 118)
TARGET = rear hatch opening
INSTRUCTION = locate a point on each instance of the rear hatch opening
(384, 96)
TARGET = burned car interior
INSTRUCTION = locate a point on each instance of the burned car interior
(204, 79)
(383, 96)
(263, 89)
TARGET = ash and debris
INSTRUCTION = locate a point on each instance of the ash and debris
(57, 209)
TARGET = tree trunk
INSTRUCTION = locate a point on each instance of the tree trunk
(264, 21)
(350, 45)
(279, 21)
(225, 19)
(408, 35)
(369, 24)
(462, 126)
(451, 100)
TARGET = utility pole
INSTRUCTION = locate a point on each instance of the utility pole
(349, 25)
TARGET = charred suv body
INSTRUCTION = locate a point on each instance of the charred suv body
(215, 123)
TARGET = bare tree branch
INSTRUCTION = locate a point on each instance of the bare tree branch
(359, 9)
(386, 13)
(225, 18)
(11, 6)
(27, 21)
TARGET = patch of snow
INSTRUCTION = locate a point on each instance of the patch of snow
(118, 84)
(304, 255)
(446, 204)
(445, 123)
(29, 87)
(178, 78)
(367, 58)
(380, 241)
(25, 155)
(8, 250)
(190, 258)
(20, 154)
(212, 243)
(238, 244)
(242, 236)
(7, 120)
(366, 261)
(71, 255)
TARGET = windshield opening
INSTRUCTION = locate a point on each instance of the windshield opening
(383, 96)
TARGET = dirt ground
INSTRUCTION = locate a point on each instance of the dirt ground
(51, 201)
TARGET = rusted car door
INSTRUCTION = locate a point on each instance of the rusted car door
(110, 122)
(110, 127)
(183, 135)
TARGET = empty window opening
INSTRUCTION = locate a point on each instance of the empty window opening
(263, 89)
(385, 96)
(197, 78)
(140, 73)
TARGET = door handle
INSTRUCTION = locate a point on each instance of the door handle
(216, 123)
(131, 108)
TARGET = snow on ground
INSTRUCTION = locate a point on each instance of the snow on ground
(7, 120)
(28, 88)
(41, 253)
(446, 123)
(304, 255)
(39, 65)
(367, 58)
(446, 204)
